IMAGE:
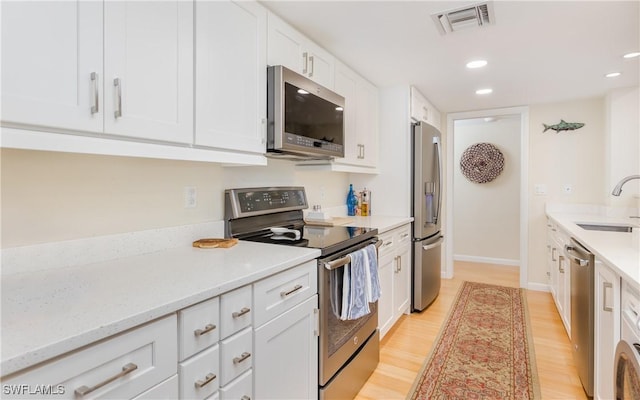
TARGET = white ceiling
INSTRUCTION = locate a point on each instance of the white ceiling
(538, 51)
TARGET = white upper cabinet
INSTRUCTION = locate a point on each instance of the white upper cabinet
(148, 66)
(288, 47)
(52, 64)
(231, 73)
(423, 110)
(361, 117)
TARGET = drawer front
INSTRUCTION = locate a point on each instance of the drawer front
(235, 311)
(167, 390)
(283, 291)
(403, 234)
(236, 355)
(388, 244)
(200, 375)
(239, 389)
(199, 327)
(120, 367)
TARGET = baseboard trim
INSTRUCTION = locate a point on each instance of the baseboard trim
(487, 260)
(538, 287)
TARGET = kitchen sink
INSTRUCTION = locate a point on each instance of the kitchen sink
(606, 227)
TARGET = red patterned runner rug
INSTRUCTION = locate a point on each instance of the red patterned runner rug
(484, 349)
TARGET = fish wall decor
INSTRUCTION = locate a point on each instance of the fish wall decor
(563, 126)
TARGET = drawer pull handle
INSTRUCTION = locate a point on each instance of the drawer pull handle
(127, 369)
(286, 293)
(207, 329)
(240, 313)
(243, 356)
(207, 379)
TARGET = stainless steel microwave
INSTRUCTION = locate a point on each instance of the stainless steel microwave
(305, 120)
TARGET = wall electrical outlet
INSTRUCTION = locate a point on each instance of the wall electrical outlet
(190, 197)
(567, 188)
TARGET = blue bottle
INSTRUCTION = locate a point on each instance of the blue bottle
(352, 201)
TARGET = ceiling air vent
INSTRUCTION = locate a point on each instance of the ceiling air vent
(472, 16)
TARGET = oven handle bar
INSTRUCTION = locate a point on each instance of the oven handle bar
(340, 262)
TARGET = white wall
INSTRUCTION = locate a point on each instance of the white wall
(487, 216)
(49, 196)
(555, 159)
(623, 145)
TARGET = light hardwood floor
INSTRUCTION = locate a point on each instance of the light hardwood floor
(405, 347)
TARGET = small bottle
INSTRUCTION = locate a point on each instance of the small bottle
(352, 201)
(364, 207)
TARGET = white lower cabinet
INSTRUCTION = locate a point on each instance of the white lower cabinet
(209, 350)
(286, 363)
(167, 390)
(560, 273)
(607, 329)
(239, 389)
(200, 374)
(120, 367)
(394, 269)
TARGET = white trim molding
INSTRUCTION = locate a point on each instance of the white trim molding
(523, 112)
(486, 260)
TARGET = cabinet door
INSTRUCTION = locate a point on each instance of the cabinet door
(49, 52)
(367, 123)
(285, 45)
(286, 354)
(231, 75)
(402, 282)
(149, 70)
(386, 266)
(607, 329)
(346, 82)
(318, 64)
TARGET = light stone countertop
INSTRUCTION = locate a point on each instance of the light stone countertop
(382, 223)
(619, 250)
(48, 313)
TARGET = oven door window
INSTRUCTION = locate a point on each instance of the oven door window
(627, 371)
(340, 331)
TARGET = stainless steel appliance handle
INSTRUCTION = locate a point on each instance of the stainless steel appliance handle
(127, 369)
(342, 261)
(95, 107)
(436, 216)
(574, 256)
(605, 286)
(433, 245)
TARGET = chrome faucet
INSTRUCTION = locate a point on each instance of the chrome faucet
(618, 189)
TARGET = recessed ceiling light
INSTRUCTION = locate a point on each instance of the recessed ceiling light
(302, 91)
(484, 91)
(476, 64)
(632, 55)
(612, 74)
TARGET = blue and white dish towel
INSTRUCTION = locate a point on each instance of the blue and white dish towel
(360, 284)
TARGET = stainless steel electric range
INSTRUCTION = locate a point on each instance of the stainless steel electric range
(348, 349)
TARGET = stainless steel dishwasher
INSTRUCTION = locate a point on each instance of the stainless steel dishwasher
(582, 299)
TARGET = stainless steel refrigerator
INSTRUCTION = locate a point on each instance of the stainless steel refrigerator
(427, 213)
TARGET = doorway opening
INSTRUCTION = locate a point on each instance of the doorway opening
(487, 222)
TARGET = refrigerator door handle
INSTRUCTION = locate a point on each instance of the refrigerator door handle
(433, 245)
(436, 141)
